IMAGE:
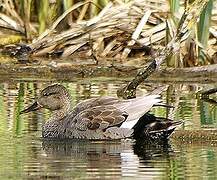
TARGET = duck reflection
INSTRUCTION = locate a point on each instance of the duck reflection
(150, 150)
(102, 159)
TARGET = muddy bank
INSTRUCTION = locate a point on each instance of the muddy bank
(196, 135)
(202, 136)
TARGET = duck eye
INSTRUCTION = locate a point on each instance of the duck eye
(48, 94)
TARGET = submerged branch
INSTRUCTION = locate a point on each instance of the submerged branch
(129, 91)
(205, 95)
(208, 92)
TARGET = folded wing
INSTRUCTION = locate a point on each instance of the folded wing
(99, 117)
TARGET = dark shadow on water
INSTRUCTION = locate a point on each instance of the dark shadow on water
(149, 150)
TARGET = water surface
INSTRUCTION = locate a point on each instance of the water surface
(25, 155)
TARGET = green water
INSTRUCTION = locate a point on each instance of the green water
(24, 155)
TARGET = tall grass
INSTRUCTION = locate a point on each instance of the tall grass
(43, 14)
(173, 60)
(174, 6)
(47, 12)
(67, 4)
(203, 31)
(200, 35)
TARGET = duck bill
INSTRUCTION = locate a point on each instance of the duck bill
(34, 107)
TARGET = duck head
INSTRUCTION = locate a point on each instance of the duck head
(55, 98)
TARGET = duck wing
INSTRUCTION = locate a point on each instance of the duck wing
(99, 117)
(134, 108)
(93, 102)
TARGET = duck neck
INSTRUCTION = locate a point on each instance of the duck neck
(59, 114)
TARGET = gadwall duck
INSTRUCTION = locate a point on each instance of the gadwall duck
(100, 118)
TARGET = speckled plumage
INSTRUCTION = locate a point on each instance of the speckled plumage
(96, 118)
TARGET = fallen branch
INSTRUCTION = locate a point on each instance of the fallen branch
(69, 71)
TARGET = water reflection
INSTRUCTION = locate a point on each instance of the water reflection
(25, 156)
(107, 159)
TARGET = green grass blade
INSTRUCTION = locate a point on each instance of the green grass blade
(174, 6)
(43, 13)
(203, 29)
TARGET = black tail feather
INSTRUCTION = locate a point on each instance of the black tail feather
(150, 127)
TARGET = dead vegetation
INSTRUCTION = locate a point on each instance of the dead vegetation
(113, 33)
(119, 31)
